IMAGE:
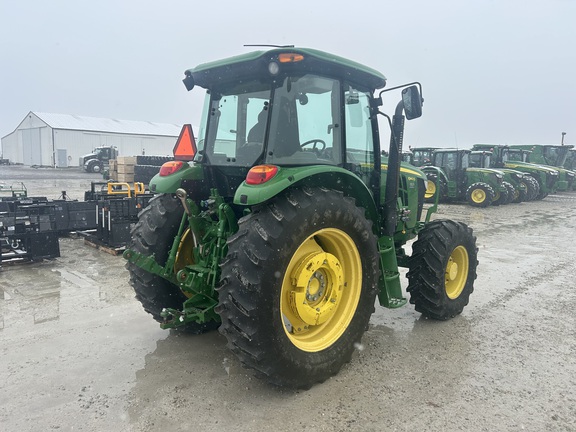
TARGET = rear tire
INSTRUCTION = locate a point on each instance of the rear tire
(479, 195)
(154, 233)
(298, 286)
(442, 269)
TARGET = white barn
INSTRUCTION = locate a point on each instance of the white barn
(58, 140)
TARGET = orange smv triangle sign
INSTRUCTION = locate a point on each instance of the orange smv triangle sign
(185, 147)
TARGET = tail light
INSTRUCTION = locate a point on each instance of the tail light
(261, 174)
(170, 168)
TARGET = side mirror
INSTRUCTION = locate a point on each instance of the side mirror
(412, 102)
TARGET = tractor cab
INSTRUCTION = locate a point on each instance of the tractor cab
(454, 164)
(421, 156)
(546, 154)
(480, 159)
(515, 155)
(271, 112)
(555, 155)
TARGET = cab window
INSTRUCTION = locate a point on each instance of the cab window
(305, 122)
(359, 139)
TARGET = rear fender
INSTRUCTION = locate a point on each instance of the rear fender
(317, 175)
(169, 183)
(435, 170)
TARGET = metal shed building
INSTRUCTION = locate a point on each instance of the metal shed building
(58, 140)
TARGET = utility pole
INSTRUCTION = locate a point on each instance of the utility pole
(562, 142)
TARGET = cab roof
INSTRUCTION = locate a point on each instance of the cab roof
(254, 64)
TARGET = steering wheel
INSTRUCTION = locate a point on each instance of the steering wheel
(314, 143)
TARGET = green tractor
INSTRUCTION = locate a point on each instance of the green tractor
(552, 156)
(515, 158)
(521, 187)
(280, 224)
(451, 178)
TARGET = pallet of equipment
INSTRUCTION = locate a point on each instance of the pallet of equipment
(93, 241)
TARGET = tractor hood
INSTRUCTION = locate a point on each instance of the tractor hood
(496, 172)
(536, 167)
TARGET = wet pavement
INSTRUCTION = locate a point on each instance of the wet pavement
(78, 353)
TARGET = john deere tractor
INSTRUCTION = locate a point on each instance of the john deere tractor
(516, 158)
(521, 187)
(552, 156)
(451, 178)
(280, 223)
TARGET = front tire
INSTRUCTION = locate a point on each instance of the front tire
(442, 269)
(533, 188)
(479, 195)
(154, 233)
(298, 286)
(500, 197)
(513, 194)
(434, 186)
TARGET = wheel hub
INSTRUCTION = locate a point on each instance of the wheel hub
(317, 284)
(456, 272)
(451, 270)
(478, 195)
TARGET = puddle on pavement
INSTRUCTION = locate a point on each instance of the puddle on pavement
(82, 279)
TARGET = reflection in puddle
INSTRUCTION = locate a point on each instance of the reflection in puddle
(81, 280)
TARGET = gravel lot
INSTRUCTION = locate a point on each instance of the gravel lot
(79, 353)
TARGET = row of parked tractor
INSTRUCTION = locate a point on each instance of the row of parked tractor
(495, 174)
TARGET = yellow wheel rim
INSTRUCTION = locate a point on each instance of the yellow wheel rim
(185, 254)
(456, 272)
(321, 289)
(478, 196)
(430, 189)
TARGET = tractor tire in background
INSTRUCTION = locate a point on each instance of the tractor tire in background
(480, 194)
(157, 161)
(442, 269)
(158, 224)
(533, 188)
(298, 286)
(500, 197)
(144, 173)
(541, 195)
(513, 193)
(521, 193)
(434, 187)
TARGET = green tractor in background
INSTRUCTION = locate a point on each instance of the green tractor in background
(522, 186)
(515, 158)
(451, 178)
(280, 225)
(552, 156)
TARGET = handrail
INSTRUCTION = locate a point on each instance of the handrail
(138, 188)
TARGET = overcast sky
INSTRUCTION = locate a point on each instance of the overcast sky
(501, 71)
